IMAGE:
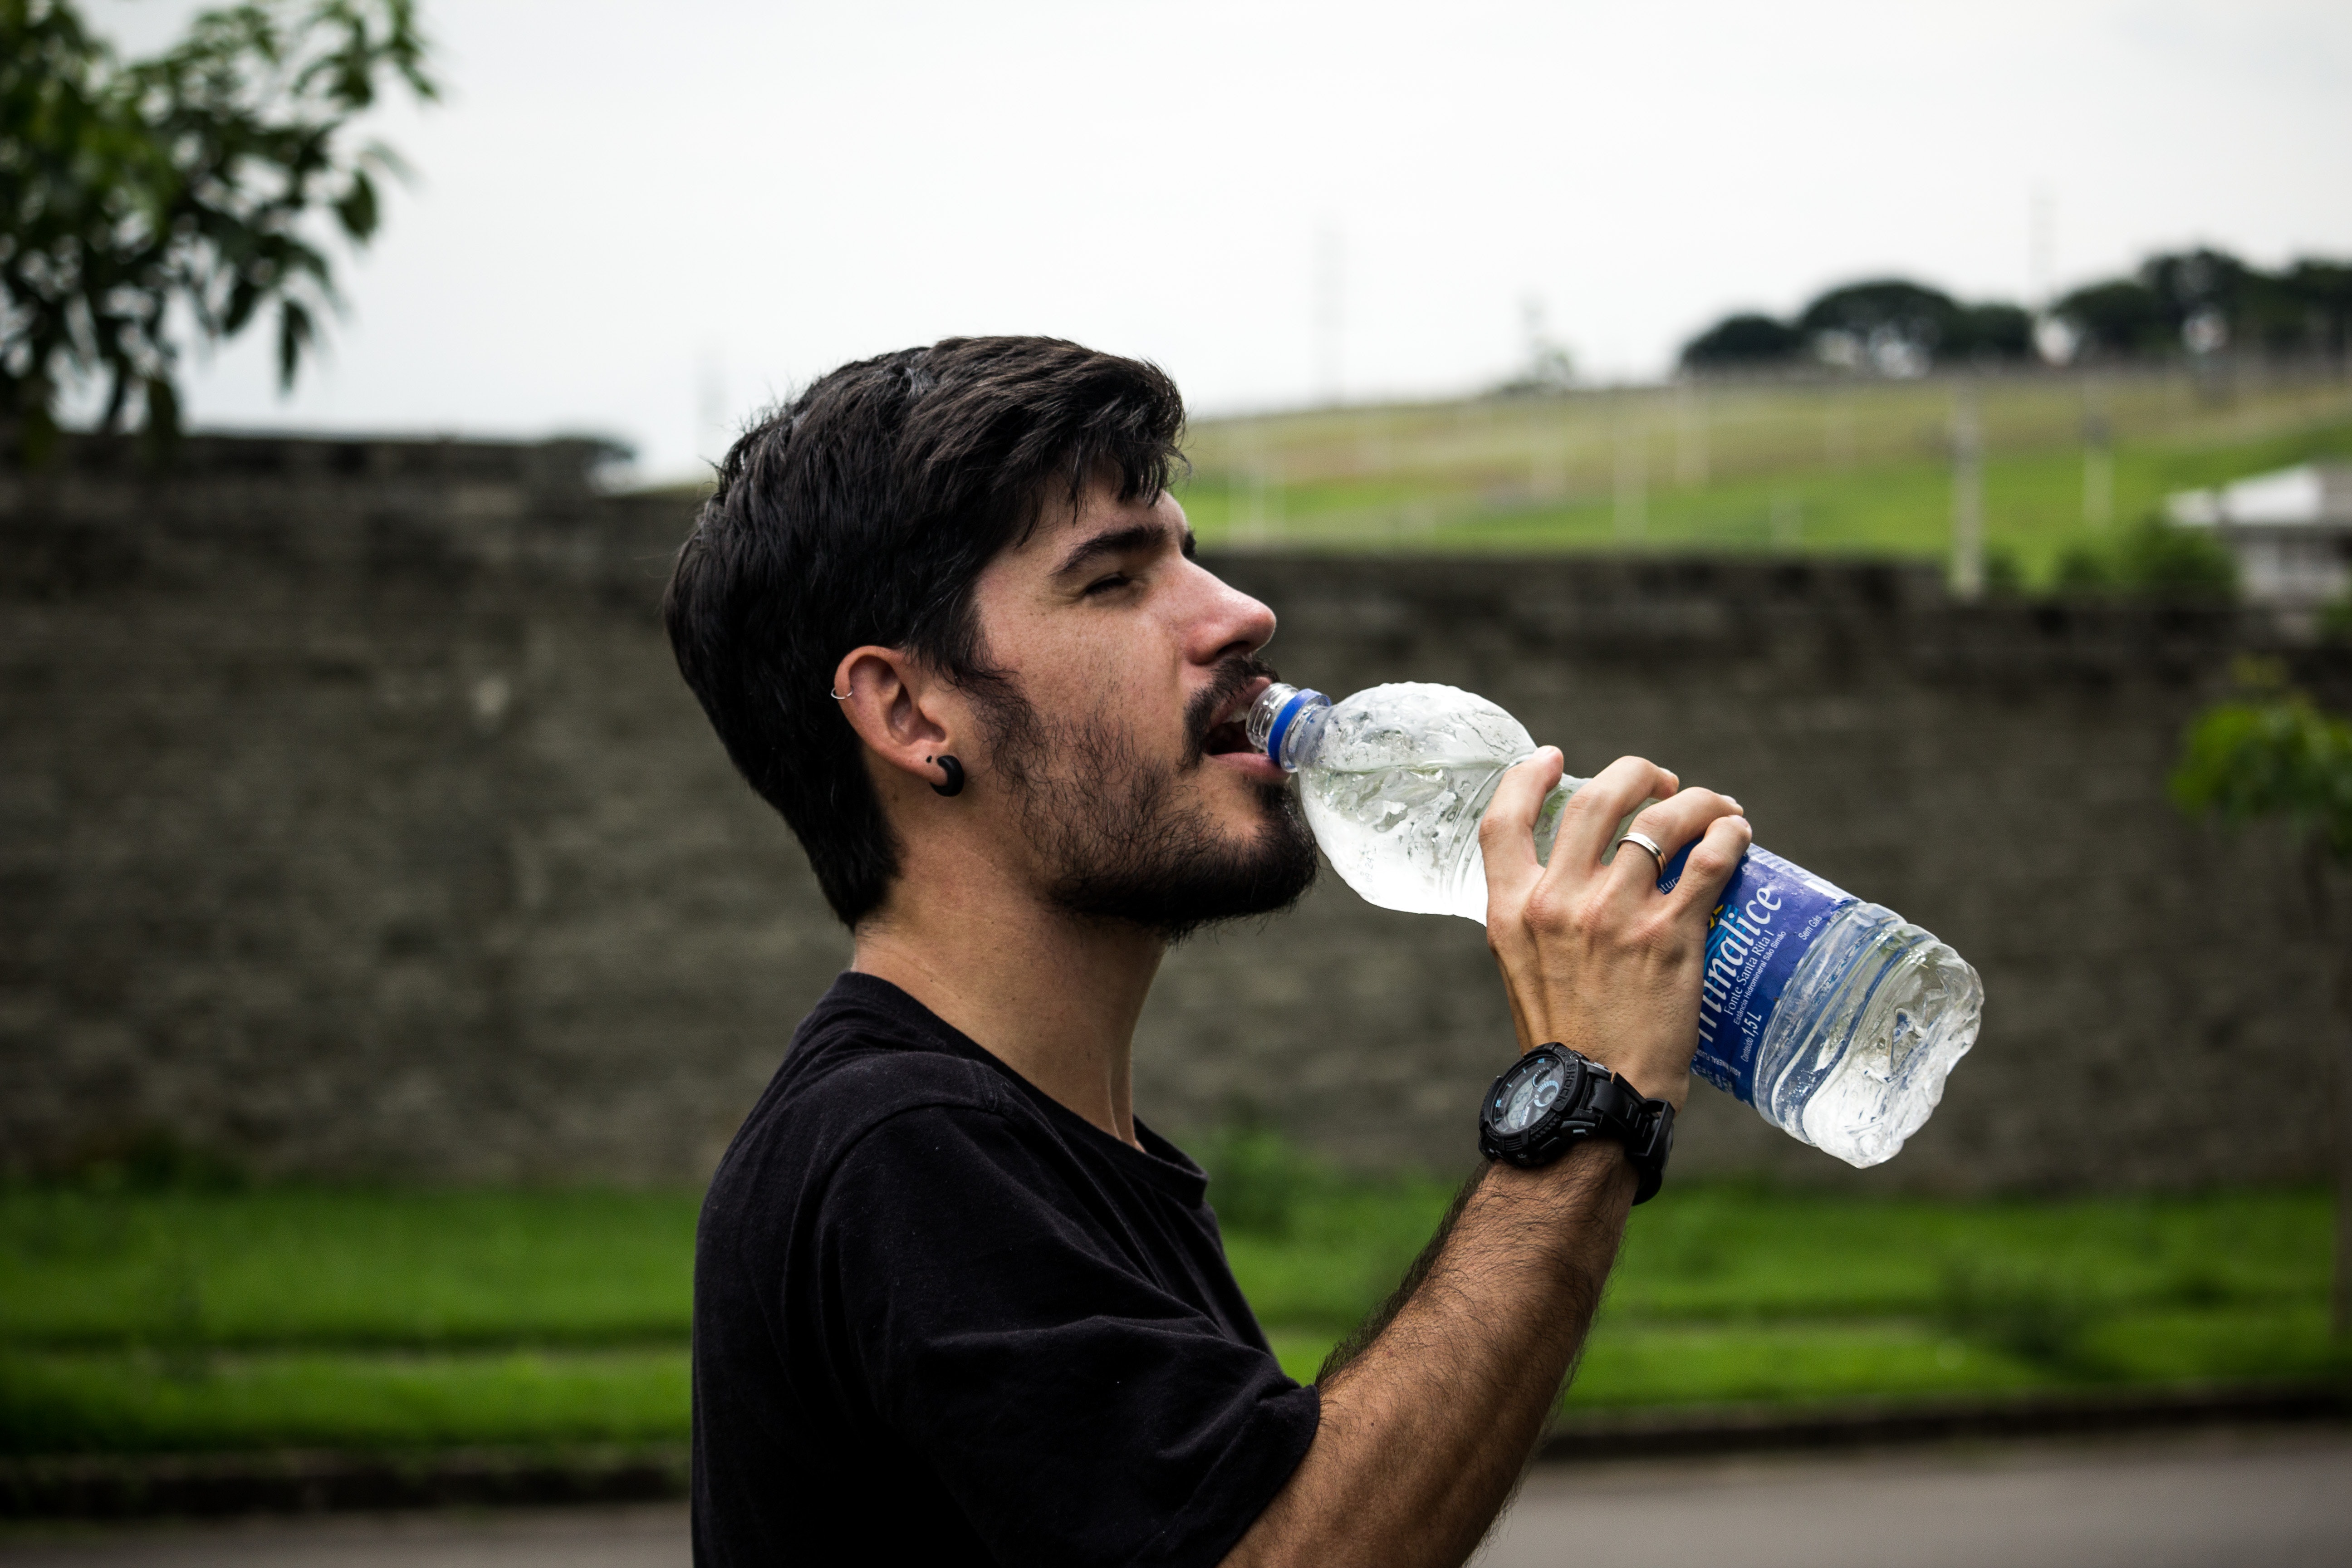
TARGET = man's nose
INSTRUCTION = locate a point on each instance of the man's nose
(1232, 619)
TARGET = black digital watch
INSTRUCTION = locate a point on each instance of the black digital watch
(1552, 1098)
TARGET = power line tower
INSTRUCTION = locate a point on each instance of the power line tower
(1329, 326)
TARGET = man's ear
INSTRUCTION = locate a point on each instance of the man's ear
(908, 715)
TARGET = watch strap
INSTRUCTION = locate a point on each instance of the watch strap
(1646, 1128)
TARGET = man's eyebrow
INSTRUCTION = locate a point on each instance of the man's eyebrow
(1114, 541)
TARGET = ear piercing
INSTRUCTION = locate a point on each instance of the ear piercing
(948, 765)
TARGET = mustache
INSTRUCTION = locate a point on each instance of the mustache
(1235, 673)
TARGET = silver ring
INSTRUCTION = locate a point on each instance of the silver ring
(836, 696)
(1649, 844)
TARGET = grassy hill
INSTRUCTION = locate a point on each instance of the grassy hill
(1835, 467)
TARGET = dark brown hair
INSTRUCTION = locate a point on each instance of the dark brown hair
(863, 510)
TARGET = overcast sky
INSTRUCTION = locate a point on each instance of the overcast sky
(642, 220)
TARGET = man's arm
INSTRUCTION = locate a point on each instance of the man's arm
(1426, 1431)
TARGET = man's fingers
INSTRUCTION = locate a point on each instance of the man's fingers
(1588, 823)
(1712, 861)
(1672, 823)
(1507, 834)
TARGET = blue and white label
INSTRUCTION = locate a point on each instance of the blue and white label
(1768, 920)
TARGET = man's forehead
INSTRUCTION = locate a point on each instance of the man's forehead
(1067, 536)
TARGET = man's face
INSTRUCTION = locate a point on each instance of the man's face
(1119, 741)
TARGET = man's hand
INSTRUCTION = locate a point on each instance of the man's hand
(1593, 956)
(1426, 1431)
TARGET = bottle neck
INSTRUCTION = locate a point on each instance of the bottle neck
(1286, 722)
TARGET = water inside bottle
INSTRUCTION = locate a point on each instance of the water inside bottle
(1863, 1038)
(1397, 787)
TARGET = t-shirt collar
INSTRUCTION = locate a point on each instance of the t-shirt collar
(1159, 1161)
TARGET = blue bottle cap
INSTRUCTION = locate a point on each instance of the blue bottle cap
(1300, 701)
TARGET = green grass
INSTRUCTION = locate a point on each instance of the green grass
(83, 1401)
(282, 1267)
(1841, 470)
(1725, 1292)
(187, 1320)
(1635, 1362)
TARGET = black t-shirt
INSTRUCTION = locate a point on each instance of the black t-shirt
(939, 1318)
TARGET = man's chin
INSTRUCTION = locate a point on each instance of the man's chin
(1269, 867)
(1260, 869)
(1268, 828)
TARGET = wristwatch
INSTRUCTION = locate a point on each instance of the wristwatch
(1552, 1098)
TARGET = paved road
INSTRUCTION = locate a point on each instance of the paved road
(2282, 1502)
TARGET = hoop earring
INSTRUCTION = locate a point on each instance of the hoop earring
(954, 770)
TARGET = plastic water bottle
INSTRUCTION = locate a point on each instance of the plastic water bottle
(1836, 1019)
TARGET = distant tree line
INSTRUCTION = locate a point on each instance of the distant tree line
(2196, 302)
(2208, 300)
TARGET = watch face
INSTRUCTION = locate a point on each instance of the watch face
(1528, 1093)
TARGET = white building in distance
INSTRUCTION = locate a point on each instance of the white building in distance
(2291, 532)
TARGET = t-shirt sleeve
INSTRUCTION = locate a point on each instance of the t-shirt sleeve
(1078, 1412)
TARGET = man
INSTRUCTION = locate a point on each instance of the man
(953, 1302)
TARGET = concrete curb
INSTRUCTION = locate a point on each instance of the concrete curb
(122, 1486)
(1657, 1432)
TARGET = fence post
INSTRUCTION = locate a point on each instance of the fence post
(2098, 456)
(1633, 471)
(1967, 491)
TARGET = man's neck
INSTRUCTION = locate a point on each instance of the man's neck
(1053, 998)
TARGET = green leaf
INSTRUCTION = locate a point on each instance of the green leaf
(295, 331)
(357, 208)
(195, 185)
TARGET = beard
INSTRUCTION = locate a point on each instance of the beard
(1117, 840)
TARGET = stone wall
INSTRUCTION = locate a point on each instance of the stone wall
(352, 819)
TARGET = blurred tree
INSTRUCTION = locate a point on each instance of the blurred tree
(1909, 306)
(2322, 294)
(2189, 280)
(2207, 300)
(2164, 561)
(1890, 325)
(1991, 332)
(194, 182)
(1742, 341)
(2208, 295)
(2273, 754)
(2155, 559)
(2123, 318)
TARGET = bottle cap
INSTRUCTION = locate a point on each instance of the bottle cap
(1277, 707)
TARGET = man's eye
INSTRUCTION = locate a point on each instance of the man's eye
(1116, 580)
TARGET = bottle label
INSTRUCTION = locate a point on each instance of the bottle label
(1767, 921)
